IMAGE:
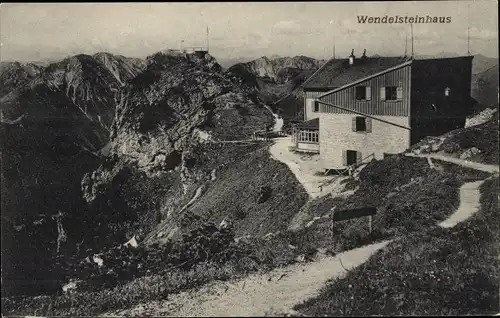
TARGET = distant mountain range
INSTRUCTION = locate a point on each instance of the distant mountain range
(277, 78)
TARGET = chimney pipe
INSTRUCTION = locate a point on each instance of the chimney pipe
(351, 57)
(364, 54)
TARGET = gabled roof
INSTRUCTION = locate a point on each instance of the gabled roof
(338, 72)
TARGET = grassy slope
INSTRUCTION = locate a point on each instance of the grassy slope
(483, 137)
(403, 206)
(415, 207)
(436, 272)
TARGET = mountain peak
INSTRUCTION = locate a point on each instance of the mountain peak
(279, 70)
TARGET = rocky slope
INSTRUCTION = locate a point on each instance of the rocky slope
(122, 68)
(15, 74)
(161, 138)
(54, 122)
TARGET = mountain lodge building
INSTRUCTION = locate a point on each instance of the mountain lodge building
(357, 107)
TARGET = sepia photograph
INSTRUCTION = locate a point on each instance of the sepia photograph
(214, 159)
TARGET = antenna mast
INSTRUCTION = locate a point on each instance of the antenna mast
(333, 44)
(207, 40)
(333, 38)
(406, 42)
(411, 40)
(468, 32)
(468, 41)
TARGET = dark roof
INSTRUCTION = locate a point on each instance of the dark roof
(310, 124)
(337, 72)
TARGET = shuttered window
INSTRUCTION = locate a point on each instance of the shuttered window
(361, 124)
(363, 93)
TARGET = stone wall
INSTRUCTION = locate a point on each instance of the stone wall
(336, 136)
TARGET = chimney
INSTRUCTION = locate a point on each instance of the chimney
(351, 57)
(364, 54)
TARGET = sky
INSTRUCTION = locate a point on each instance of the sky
(243, 29)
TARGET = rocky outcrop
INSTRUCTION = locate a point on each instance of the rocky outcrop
(164, 116)
(163, 110)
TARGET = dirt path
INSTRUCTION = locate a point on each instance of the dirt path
(278, 121)
(461, 162)
(256, 295)
(305, 167)
(469, 204)
(469, 192)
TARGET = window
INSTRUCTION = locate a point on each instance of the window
(391, 93)
(360, 93)
(447, 91)
(361, 124)
(310, 136)
(363, 93)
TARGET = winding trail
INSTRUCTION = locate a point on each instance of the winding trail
(469, 204)
(469, 192)
(465, 163)
(258, 294)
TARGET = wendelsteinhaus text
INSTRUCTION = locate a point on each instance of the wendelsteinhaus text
(403, 19)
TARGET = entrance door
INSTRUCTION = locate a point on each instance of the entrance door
(351, 157)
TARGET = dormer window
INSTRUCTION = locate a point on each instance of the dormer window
(447, 91)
